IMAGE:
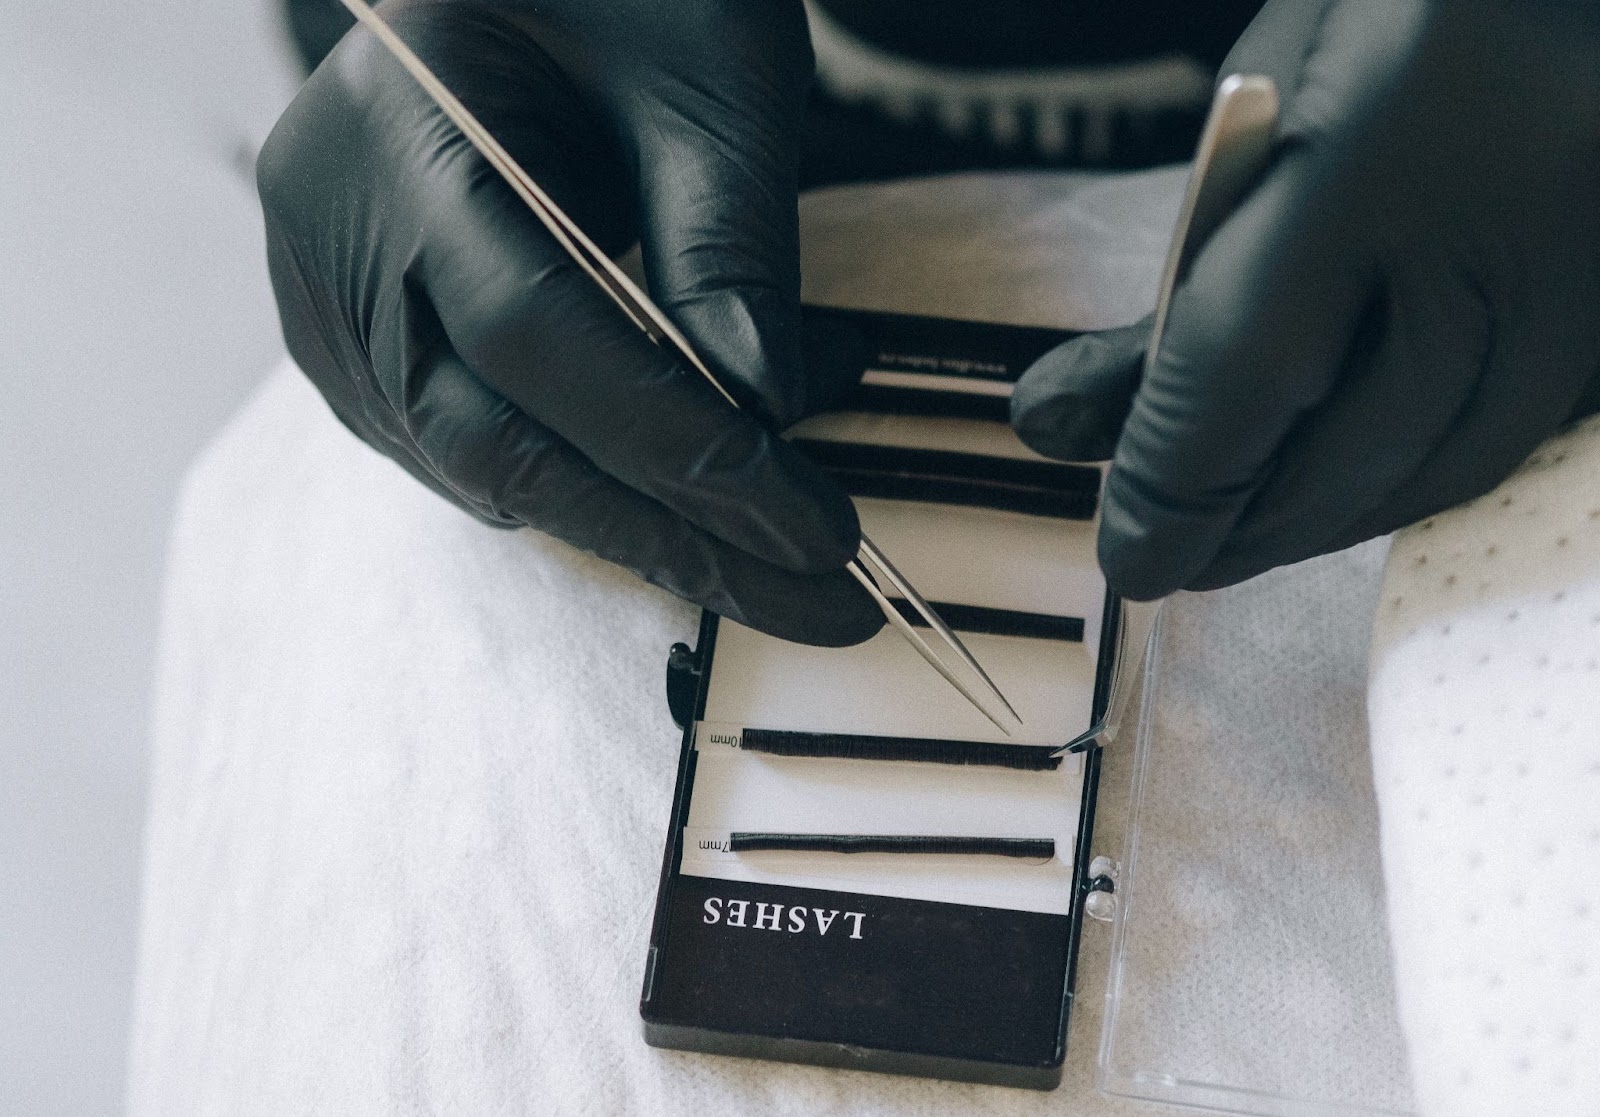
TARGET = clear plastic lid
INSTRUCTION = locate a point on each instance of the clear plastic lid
(1250, 970)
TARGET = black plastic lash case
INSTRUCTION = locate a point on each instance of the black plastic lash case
(950, 966)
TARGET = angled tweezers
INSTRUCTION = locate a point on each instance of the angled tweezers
(660, 329)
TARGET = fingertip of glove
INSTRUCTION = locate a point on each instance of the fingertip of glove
(826, 610)
(847, 635)
(821, 531)
(1131, 576)
(1139, 562)
(1066, 426)
(837, 541)
(791, 367)
(1073, 401)
(853, 621)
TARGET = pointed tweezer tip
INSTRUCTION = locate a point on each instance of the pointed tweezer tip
(922, 648)
(878, 562)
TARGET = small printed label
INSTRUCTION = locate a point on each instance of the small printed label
(948, 366)
(711, 734)
(707, 844)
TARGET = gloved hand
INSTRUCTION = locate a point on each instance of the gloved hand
(449, 331)
(1406, 304)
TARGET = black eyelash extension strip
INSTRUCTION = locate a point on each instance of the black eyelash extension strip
(1053, 489)
(997, 622)
(780, 742)
(1038, 849)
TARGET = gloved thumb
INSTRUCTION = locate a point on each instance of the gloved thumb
(1072, 402)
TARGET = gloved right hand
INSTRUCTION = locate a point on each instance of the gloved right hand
(448, 330)
(1405, 305)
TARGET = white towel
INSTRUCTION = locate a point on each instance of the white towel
(412, 776)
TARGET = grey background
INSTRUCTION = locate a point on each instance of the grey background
(134, 316)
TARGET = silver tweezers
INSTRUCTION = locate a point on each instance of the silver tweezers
(659, 328)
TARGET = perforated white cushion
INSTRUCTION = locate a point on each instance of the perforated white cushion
(1485, 711)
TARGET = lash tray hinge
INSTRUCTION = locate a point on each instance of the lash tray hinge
(1100, 886)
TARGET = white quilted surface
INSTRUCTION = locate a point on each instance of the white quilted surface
(1485, 713)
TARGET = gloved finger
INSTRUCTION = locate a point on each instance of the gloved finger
(1502, 422)
(1437, 411)
(398, 448)
(519, 469)
(1419, 363)
(1277, 41)
(1588, 401)
(408, 459)
(543, 335)
(719, 225)
(1256, 338)
(341, 371)
(1072, 402)
(522, 96)
(1443, 408)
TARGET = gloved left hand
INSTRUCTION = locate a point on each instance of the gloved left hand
(450, 331)
(1404, 307)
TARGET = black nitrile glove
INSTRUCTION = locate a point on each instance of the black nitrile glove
(1404, 307)
(449, 331)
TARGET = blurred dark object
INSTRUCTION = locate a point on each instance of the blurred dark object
(1016, 34)
(848, 140)
(853, 143)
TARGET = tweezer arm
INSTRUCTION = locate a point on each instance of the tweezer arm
(1234, 147)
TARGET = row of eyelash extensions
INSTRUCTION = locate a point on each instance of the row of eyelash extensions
(861, 870)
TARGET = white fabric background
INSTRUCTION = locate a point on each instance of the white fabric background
(412, 776)
(135, 317)
(1485, 702)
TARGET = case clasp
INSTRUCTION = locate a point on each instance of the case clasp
(1101, 902)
